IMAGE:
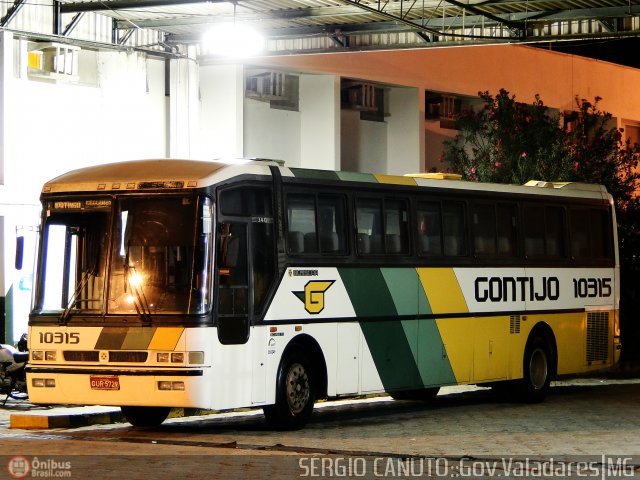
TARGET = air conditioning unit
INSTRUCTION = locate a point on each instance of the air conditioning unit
(266, 86)
(361, 96)
(55, 61)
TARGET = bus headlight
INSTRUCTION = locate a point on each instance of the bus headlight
(50, 355)
(177, 357)
(163, 357)
(196, 358)
(37, 355)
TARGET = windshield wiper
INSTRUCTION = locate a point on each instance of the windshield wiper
(144, 311)
(66, 313)
(139, 298)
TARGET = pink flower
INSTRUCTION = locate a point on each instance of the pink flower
(474, 170)
(524, 154)
(576, 166)
(498, 164)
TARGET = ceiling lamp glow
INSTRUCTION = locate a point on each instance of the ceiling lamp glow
(232, 40)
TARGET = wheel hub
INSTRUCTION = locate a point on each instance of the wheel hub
(298, 390)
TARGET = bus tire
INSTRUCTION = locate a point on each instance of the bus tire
(537, 368)
(295, 393)
(420, 395)
(145, 416)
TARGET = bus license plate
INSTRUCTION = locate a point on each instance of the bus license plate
(104, 383)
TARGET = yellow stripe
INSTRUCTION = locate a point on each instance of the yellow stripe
(442, 290)
(458, 338)
(395, 180)
(166, 338)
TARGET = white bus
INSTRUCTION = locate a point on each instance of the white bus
(174, 283)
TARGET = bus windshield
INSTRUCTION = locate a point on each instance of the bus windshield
(158, 262)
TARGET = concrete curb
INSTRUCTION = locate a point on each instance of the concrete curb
(73, 417)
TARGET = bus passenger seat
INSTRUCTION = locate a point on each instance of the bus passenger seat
(375, 242)
(329, 242)
(451, 245)
(295, 240)
(430, 244)
(394, 244)
(364, 245)
(310, 245)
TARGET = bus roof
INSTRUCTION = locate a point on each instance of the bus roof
(167, 174)
(143, 175)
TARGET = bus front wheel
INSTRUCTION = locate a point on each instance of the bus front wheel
(145, 416)
(536, 371)
(295, 393)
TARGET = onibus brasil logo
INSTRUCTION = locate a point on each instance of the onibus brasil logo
(313, 295)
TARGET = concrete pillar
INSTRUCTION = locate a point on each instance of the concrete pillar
(221, 111)
(405, 132)
(183, 106)
(6, 78)
(320, 122)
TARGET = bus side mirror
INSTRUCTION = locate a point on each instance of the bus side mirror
(19, 252)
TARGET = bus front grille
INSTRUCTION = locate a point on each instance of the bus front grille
(80, 355)
(128, 356)
(120, 356)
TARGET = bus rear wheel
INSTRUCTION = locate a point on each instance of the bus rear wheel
(295, 393)
(537, 370)
(145, 416)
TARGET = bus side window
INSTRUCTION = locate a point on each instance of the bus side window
(453, 229)
(396, 226)
(534, 230)
(579, 223)
(369, 226)
(590, 233)
(301, 224)
(331, 224)
(429, 222)
(484, 229)
(507, 229)
(554, 232)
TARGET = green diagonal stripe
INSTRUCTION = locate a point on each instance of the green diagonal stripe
(368, 292)
(111, 338)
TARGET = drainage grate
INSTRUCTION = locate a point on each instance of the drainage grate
(514, 324)
(597, 336)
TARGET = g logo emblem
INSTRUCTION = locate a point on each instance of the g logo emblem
(313, 295)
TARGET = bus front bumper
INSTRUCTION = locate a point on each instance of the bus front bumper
(149, 387)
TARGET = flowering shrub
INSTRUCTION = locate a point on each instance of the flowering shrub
(512, 142)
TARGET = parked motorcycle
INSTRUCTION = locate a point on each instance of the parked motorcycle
(13, 380)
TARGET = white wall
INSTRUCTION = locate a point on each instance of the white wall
(363, 144)
(271, 133)
(395, 146)
(49, 128)
(221, 111)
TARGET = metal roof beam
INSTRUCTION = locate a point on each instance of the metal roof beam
(17, 5)
(126, 4)
(394, 18)
(479, 11)
(72, 24)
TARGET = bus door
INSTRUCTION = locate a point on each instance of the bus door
(233, 284)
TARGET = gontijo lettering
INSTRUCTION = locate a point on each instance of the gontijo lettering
(513, 289)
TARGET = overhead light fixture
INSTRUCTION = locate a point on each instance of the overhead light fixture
(232, 40)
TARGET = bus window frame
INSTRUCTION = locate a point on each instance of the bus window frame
(316, 195)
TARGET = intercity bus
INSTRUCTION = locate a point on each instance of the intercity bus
(219, 285)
